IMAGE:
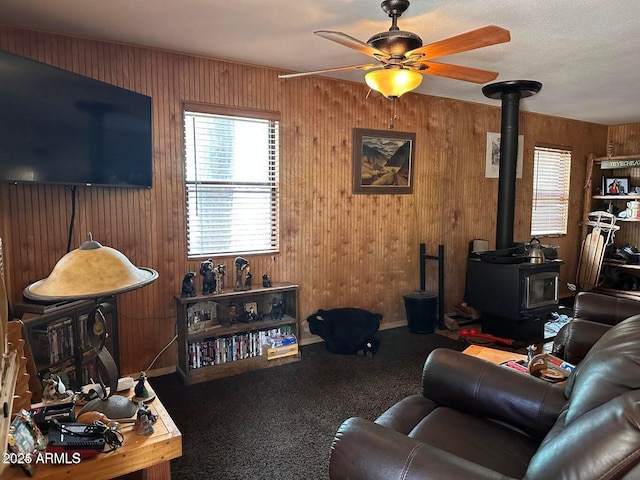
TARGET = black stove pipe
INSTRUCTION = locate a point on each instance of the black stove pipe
(510, 92)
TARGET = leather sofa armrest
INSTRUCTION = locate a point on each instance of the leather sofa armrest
(365, 450)
(474, 385)
(560, 341)
(577, 337)
(601, 308)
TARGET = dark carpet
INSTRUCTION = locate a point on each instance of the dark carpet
(280, 422)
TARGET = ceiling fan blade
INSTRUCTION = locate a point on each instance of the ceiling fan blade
(367, 66)
(482, 37)
(467, 74)
(349, 41)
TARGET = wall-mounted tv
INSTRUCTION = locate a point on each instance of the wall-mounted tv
(60, 127)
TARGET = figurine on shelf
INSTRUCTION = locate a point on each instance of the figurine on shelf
(140, 389)
(144, 420)
(247, 316)
(266, 281)
(143, 426)
(218, 272)
(188, 287)
(241, 266)
(233, 315)
(53, 389)
(277, 310)
(208, 277)
(143, 411)
(247, 278)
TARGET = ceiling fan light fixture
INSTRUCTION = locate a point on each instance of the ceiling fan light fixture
(393, 82)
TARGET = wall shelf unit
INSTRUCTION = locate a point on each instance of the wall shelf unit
(220, 335)
(618, 277)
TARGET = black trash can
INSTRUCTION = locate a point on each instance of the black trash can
(421, 310)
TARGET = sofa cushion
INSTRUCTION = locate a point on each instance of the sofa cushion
(609, 370)
(479, 440)
(407, 413)
(603, 443)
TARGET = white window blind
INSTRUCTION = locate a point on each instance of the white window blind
(551, 175)
(231, 181)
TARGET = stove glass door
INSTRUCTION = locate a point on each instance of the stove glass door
(541, 289)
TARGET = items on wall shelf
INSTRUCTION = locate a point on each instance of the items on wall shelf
(612, 185)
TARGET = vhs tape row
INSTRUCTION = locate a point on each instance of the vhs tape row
(215, 351)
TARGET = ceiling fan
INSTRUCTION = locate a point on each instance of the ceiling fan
(402, 57)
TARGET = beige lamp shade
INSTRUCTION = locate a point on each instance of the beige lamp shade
(90, 271)
(393, 82)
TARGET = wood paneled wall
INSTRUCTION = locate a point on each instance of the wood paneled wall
(342, 249)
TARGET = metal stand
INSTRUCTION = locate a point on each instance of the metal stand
(423, 280)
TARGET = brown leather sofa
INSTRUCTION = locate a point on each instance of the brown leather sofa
(600, 311)
(478, 420)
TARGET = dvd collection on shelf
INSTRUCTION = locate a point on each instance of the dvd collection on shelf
(54, 342)
(82, 332)
(215, 351)
(55, 349)
(60, 342)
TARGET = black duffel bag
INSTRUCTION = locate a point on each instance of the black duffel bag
(347, 330)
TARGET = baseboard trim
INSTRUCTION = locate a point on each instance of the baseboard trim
(156, 372)
(387, 326)
(398, 324)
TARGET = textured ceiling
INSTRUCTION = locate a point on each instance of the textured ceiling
(586, 53)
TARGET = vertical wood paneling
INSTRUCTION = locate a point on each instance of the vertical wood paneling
(342, 249)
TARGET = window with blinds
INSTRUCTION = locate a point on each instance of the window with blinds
(231, 181)
(551, 174)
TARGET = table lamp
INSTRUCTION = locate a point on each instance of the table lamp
(94, 271)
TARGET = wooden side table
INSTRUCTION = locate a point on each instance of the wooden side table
(140, 456)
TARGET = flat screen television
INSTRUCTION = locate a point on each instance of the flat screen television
(59, 127)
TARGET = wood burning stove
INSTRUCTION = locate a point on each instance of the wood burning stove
(515, 298)
(514, 295)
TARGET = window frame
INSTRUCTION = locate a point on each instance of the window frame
(240, 113)
(562, 151)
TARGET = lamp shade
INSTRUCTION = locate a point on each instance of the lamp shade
(90, 271)
(393, 82)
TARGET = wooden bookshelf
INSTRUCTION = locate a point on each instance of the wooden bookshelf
(213, 342)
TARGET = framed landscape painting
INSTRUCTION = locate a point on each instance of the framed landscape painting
(383, 161)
